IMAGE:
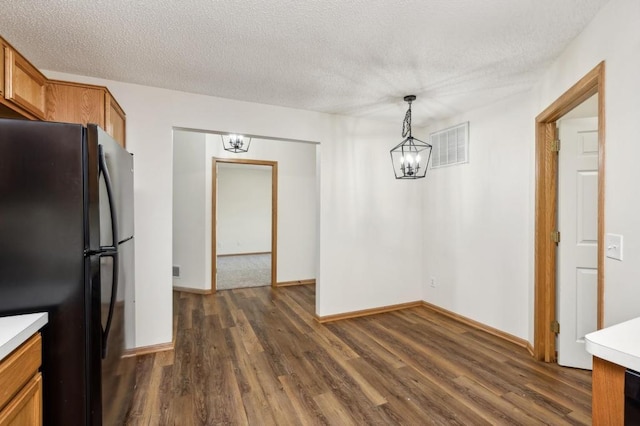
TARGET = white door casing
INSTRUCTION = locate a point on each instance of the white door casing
(577, 262)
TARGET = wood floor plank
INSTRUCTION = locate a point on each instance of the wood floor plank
(365, 345)
(165, 396)
(402, 404)
(572, 401)
(332, 343)
(227, 307)
(306, 408)
(536, 411)
(144, 374)
(435, 320)
(257, 356)
(505, 411)
(342, 378)
(249, 339)
(279, 403)
(299, 323)
(334, 410)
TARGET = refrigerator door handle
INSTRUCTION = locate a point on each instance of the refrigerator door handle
(109, 251)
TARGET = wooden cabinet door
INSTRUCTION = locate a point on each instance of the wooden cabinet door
(24, 85)
(115, 120)
(19, 367)
(21, 385)
(26, 408)
(2, 48)
(75, 103)
(85, 103)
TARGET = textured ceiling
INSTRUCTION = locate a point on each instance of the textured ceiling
(357, 57)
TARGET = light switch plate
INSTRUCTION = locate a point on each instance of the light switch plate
(614, 246)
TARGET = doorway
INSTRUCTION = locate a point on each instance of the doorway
(246, 249)
(547, 238)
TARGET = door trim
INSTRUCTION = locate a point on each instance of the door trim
(274, 213)
(546, 209)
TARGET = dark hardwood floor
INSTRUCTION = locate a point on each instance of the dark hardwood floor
(257, 357)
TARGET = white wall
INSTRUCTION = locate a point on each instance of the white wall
(189, 210)
(362, 261)
(244, 209)
(613, 36)
(370, 222)
(477, 233)
(298, 237)
(479, 242)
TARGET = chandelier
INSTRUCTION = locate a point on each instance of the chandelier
(235, 143)
(410, 157)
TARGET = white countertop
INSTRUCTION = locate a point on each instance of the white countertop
(16, 329)
(619, 344)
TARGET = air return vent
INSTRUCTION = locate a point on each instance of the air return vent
(176, 272)
(450, 146)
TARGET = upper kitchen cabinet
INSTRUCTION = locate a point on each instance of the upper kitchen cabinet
(26, 93)
(85, 103)
(24, 87)
(2, 45)
(115, 119)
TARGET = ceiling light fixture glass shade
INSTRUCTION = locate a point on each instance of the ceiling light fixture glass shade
(410, 157)
(235, 143)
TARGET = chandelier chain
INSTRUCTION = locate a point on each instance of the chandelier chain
(406, 124)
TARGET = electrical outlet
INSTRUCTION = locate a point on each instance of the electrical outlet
(433, 282)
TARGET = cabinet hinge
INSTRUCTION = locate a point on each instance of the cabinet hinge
(555, 145)
(555, 236)
(555, 327)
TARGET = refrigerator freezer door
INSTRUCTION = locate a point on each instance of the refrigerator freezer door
(120, 165)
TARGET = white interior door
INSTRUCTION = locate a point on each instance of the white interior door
(577, 282)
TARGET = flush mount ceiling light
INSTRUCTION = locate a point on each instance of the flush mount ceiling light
(235, 143)
(410, 157)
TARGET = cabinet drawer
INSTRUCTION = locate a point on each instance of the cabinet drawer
(20, 366)
(24, 85)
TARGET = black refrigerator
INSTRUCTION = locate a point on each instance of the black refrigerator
(66, 247)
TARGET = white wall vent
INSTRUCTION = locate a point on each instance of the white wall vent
(450, 146)
(176, 272)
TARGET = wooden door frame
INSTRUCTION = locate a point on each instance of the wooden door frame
(544, 348)
(274, 213)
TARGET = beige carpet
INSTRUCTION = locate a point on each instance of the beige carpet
(239, 271)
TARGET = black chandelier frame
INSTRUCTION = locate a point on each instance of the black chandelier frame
(235, 143)
(407, 157)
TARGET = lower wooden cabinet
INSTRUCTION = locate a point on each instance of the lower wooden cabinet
(21, 385)
(26, 408)
(607, 393)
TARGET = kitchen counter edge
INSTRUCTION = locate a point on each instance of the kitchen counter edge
(618, 344)
(17, 329)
